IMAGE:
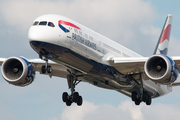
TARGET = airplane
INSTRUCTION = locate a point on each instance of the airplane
(72, 51)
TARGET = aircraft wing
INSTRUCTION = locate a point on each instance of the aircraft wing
(134, 65)
(2, 60)
(130, 65)
(57, 70)
(176, 59)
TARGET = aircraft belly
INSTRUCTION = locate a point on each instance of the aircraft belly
(98, 74)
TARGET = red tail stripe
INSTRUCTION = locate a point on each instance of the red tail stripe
(68, 23)
(166, 34)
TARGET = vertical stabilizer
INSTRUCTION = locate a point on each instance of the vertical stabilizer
(163, 42)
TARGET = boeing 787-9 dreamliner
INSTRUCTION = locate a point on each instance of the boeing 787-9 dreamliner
(74, 52)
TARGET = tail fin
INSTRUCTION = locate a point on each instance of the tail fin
(163, 42)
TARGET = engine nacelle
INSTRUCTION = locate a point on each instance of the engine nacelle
(161, 69)
(18, 71)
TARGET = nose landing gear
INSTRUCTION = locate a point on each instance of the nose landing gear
(46, 68)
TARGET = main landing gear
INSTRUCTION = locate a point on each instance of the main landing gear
(72, 82)
(74, 96)
(142, 96)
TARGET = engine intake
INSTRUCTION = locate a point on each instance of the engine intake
(18, 71)
(161, 69)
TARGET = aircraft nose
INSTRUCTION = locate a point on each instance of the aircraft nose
(36, 34)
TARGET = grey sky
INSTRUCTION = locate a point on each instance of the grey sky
(135, 24)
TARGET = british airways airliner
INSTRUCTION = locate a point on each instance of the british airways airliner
(70, 50)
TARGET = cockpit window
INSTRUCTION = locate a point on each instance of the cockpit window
(51, 24)
(35, 23)
(43, 23)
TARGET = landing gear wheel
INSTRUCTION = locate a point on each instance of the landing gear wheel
(80, 101)
(137, 102)
(68, 103)
(145, 96)
(148, 101)
(65, 97)
(49, 69)
(75, 97)
(43, 69)
(134, 95)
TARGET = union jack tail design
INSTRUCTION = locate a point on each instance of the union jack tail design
(163, 42)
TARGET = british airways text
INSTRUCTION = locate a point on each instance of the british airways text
(84, 41)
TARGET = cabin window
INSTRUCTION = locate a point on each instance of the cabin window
(35, 23)
(91, 38)
(51, 24)
(80, 32)
(43, 23)
(76, 31)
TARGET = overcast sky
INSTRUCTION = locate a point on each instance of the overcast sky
(136, 24)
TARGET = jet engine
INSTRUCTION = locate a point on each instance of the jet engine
(161, 69)
(18, 71)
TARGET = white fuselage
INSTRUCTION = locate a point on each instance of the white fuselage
(79, 48)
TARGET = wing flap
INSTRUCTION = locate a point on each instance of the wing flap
(131, 65)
